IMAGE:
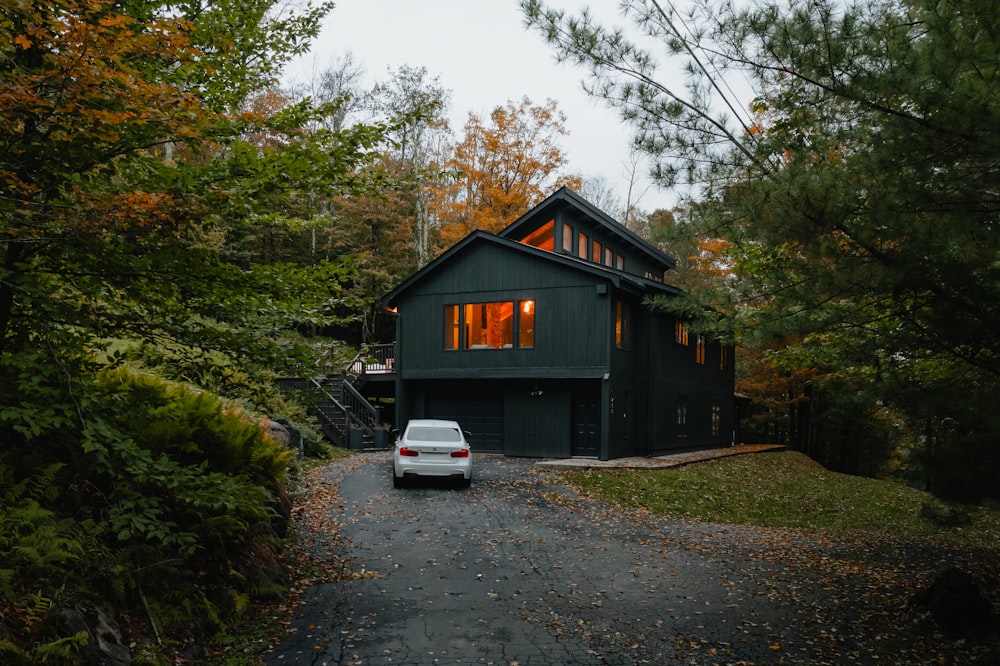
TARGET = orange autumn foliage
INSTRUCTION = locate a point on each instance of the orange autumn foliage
(503, 167)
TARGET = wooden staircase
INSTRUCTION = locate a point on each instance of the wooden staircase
(345, 415)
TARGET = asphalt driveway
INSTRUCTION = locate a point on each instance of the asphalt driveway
(518, 570)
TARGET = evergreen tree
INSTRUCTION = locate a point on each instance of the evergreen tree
(858, 197)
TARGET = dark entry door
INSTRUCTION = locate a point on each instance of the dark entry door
(586, 425)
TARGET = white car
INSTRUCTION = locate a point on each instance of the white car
(432, 448)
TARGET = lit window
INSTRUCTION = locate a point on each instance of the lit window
(609, 257)
(681, 333)
(723, 357)
(451, 327)
(623, 329)
(542, 237)
(596, 254)
(699, 350)
(567, 238)
(682, 415)
(526, 325)
(489, 325)
(716, 418)
(582, 246)
(620, 262)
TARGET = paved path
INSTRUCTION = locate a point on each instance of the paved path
(518, 571)
(654, 462)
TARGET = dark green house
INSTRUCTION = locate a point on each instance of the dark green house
(537, 341)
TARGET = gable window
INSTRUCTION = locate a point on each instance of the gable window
(716, 418)
(451, 327)
(581, 247)
(682, 415)
(620, 262)
(681, 333)
(489, 325)
(699, 350)
(567, 238)
(543, 237)
(609, 257)
(596, 254)
(623, 327)
(526, 325)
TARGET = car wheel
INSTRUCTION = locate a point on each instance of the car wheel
(465, 483)
(397, 481)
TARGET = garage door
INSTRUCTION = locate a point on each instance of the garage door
(481, 415)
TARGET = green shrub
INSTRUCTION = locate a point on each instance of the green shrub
(142, 495)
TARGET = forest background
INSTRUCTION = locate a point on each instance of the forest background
(177, 230)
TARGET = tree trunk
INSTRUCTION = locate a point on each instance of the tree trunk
(13, 256)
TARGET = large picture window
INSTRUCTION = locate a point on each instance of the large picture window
(490, 325)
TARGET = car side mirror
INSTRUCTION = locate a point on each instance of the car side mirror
(467, 434)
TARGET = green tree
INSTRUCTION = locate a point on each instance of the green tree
(503, 168)
(857, 196)
(140, 150)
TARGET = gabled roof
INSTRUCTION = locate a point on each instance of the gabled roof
(565, 197)
(634, 283)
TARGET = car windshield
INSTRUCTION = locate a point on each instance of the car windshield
(433, 434)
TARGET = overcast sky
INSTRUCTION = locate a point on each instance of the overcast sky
(481, 51)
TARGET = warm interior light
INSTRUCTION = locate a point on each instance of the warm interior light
(528, 306)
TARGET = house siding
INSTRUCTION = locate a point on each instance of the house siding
(574, 392)
(571, 320)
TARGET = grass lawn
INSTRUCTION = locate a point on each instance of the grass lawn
(787, 489)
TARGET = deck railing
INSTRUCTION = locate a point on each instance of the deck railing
(374, 360)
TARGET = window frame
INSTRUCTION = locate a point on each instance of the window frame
(519, 336)
(623, 325)
(682, 416)
(567, 238)
(453, 327)
(681, 332)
